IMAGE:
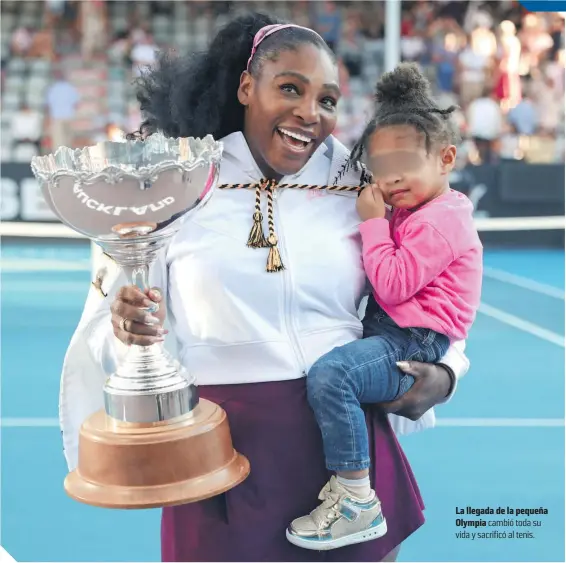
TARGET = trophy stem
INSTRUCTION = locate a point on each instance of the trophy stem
(139, 276)
(149, 386)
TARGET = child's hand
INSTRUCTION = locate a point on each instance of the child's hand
(370, 204)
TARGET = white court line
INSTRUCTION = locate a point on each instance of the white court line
(29, 422)
(521, 324)
(553, 223)
(33, 230)
(30, 265)
(449, 422)
(51, 287)
(525, 283)
(57, 230)
(502, 422)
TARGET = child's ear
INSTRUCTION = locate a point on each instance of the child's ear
(447, 159)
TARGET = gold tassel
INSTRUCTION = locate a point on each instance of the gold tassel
(257, 238)
(274, 263)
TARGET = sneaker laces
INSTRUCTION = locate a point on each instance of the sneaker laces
(327, 512)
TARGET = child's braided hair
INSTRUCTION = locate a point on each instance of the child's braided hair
(403, 97)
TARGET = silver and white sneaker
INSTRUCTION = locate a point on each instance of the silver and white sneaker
(340, 520)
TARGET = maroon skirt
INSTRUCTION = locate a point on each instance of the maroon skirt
(273, 426)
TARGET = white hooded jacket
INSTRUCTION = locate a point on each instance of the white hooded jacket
(230, 320)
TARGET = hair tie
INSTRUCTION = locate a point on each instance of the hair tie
(268, 30)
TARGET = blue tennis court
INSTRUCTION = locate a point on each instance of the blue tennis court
(499, 442)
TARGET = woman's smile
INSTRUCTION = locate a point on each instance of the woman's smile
(294, 141)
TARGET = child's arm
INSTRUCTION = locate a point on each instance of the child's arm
(398, 273)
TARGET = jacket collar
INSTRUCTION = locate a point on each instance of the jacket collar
(331, 154)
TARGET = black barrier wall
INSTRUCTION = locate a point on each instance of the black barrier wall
(508, 189)
(20, 195)
(513, 189)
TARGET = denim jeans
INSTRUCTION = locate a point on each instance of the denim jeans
(364, 371)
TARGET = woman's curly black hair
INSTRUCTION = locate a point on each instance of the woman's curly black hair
(403, 97)
(196, 96)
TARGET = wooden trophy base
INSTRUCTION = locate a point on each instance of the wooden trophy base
(124, 465)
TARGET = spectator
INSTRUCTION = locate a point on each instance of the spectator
(43, 45)
(21, 42)
(510, 144)
(92, 27)
(350, 48)
(535, 40)
(328, 22)
(524, 116)
(557, 35)
(143, 55)
(119, 52)
(478, 16)
(453, 41)
(62, 100)
(139, 34)
(485, 124)
(424, 15)
(354, 111)
(54, 11)
(555, 71)
(445, 58)
(474, 71)
(26, 126)
(509, 82)
(412, 47)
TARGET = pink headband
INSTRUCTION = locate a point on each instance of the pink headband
(269, 30)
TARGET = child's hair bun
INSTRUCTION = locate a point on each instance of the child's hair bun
(406, 83)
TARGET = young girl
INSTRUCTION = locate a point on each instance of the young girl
(425, 265)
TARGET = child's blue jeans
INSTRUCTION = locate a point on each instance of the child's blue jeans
(364, 371)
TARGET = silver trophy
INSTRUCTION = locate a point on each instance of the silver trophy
(131, 198)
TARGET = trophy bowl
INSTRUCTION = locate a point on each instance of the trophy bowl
(155, 443)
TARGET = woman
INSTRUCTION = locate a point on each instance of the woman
(249, 335)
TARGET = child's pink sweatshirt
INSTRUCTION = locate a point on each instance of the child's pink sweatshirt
(426, 266)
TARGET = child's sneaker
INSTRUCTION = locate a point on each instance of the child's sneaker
(340, 520)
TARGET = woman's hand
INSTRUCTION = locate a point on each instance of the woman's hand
(370, 203)
(432, 385)
(133, 325)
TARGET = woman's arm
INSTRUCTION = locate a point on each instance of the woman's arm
(434, 383)
(95, 328)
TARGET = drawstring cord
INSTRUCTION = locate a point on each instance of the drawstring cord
(256, 238)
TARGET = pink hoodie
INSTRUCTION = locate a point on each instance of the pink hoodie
(426, 266)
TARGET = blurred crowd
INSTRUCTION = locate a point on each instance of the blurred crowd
(503, 66)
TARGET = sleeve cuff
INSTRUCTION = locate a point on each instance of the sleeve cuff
(456, 364)
(453, 381)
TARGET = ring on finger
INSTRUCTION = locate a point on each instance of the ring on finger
(123, 325)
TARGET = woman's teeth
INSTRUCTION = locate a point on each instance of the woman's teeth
(296, 140)
(295, 135)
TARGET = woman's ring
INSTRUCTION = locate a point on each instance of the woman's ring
(123, 325)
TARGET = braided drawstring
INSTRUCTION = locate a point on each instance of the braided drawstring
(274, 263)
(256, 238)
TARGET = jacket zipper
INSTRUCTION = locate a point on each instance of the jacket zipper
(288, 289)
